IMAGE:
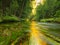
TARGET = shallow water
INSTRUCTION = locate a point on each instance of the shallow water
(35, 35)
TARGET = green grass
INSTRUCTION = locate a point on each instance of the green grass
(12, 32)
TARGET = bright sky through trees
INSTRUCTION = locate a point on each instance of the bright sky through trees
(37, 2)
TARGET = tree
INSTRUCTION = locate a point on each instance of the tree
(48, 10)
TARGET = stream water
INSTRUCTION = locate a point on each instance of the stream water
(35, 35)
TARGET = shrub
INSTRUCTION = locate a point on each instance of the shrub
(6, 19)
(47, 20)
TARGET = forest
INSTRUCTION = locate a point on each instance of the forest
(21, 10)
(23, 21)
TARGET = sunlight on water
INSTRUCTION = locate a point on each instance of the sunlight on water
(35, 35)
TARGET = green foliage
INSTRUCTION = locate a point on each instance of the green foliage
(57, 20)
(14, 4)
(53, 20)
(9, 33)
(0, 20)
(14, 7)
(47, 20)
(57, 13)
(50, 9)
(10, 18)
(27, 10)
